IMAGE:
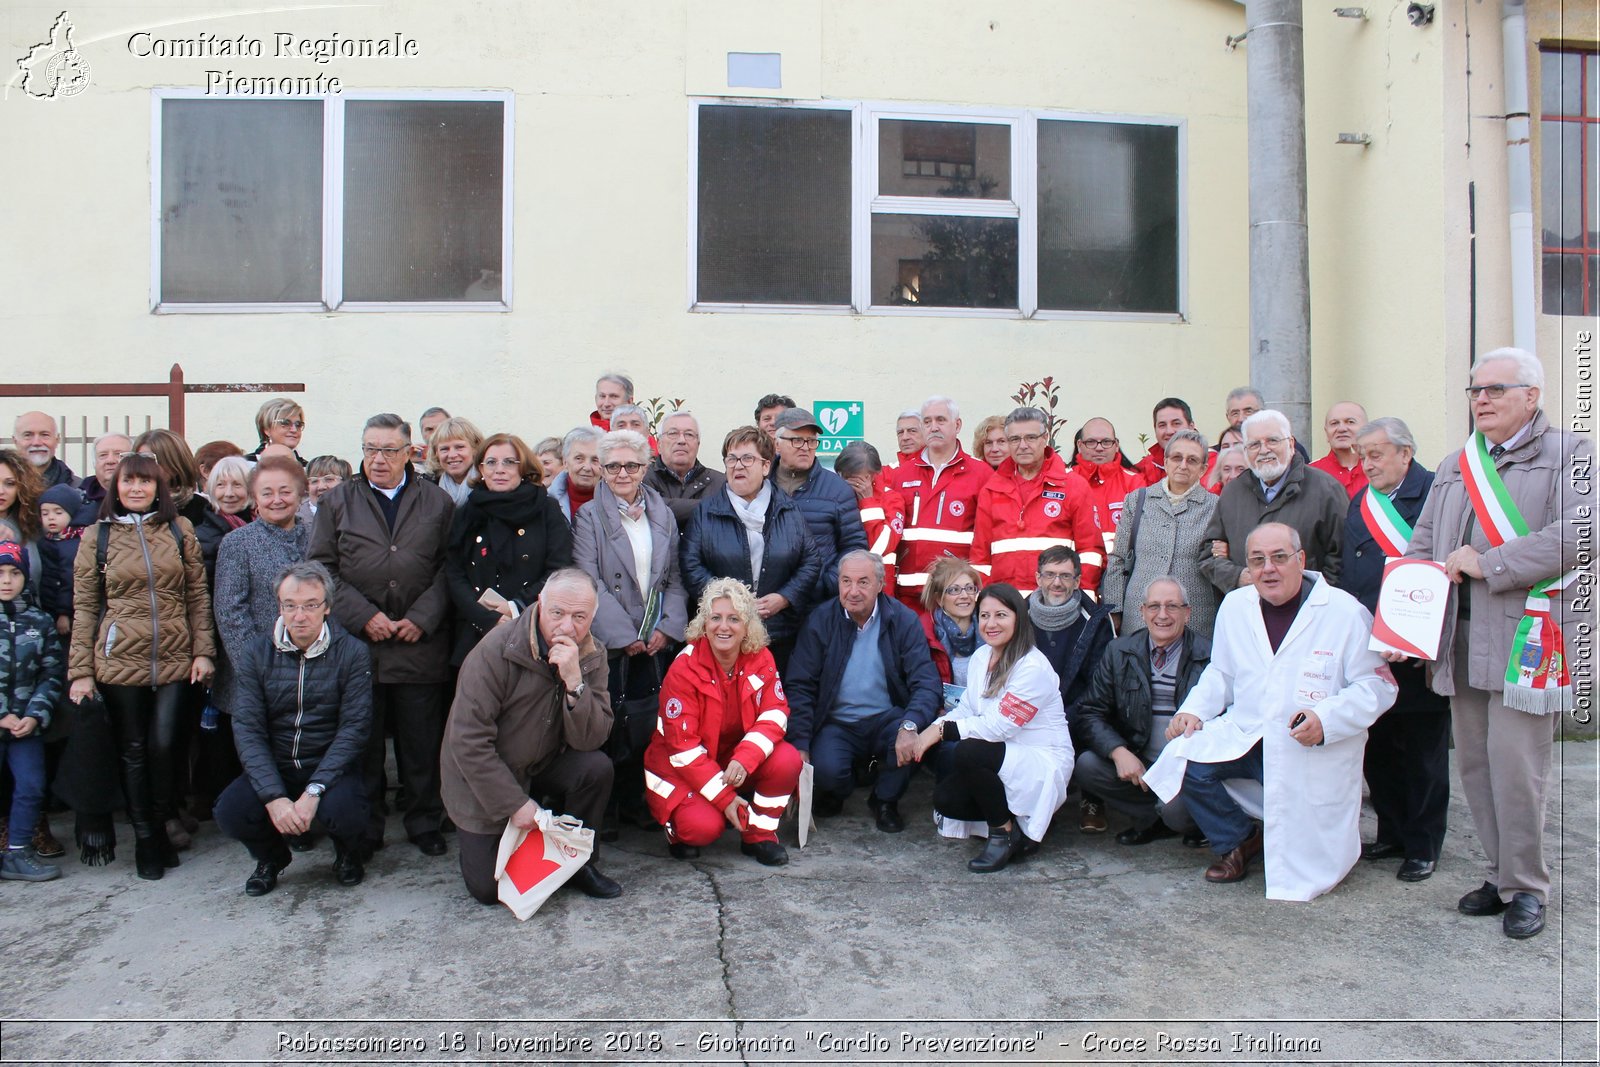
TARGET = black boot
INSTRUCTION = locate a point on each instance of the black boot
(1001, 847)
(147, 859)
(166, 851)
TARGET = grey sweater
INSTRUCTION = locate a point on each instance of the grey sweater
(245, 602)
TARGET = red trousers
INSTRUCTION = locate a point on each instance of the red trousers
(768, 788)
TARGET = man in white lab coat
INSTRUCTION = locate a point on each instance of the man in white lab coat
(1286, 701)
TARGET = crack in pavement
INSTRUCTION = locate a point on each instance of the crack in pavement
(722, 957)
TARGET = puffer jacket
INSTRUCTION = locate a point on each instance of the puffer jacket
(157, 607)
(716, 546)
(304, 716)
(1115, 710)
(831, 511)
(30, 660)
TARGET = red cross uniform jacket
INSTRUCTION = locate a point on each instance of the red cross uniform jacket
(683, 756)
(1019, 519)
(883, 514)
(940, 512)
(1109, 484)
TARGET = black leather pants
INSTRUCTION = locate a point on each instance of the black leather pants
(145, 721)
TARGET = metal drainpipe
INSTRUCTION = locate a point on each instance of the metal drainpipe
(1280, 290)
(1519, 172)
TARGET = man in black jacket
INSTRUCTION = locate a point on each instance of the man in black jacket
(861, 683)
(302, 711)
(1120, 723)
(826, 500)
(677, 473)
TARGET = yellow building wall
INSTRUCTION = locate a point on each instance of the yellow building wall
(602, 207)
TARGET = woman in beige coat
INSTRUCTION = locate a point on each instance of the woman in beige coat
(141, 631)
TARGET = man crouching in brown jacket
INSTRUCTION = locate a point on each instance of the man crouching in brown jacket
(530, 714)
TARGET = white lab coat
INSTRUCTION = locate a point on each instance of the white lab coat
(1028, 716)
(1311, 796)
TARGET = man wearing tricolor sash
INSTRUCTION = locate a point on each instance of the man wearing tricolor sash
(1407, 762)
(1504, 518)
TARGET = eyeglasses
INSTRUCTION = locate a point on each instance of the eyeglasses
(618, 468)
(1495, 391)
(1278, 559)
(1263, 442)
(386, 453)
(804, 444)
(1168, 606)
(1047, 578)
(141, 455)
(960, 590)
(1097, 442)
(1184, 461)
(290, 424)
(1027, 438)
(510, 463)
(310, 607)
(731, 462)
(681, 435)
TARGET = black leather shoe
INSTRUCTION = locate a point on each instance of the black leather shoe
(1484, 900)
(265, 878)
(1154, 832)
(147, 859)
(997, 851)
(826, 805)
(347, 866)
(430, 843)
(1196, 838)
(1416, 870)
(591, 883)
(1524, 916)
(767, 853)
(679, 851)
(1381, 850)
(887, 814)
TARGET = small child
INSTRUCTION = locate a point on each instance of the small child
(59, 549)
(31, 673)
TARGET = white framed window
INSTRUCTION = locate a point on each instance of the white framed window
(361, 201)
(926, 210)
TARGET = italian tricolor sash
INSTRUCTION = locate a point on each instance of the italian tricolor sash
(1384, 523)
(1536, 675)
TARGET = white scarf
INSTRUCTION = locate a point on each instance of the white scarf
(754, 517)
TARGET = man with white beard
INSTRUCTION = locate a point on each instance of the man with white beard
(1281, 487)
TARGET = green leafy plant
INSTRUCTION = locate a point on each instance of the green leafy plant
(1044, 394)
(659, 407)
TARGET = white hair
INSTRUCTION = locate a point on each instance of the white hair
(909, 413)
(623, 439)
(955, 412)
(1398, 433)
(681, 413)
(1529, 369)
(579, 436)
(1262, 418)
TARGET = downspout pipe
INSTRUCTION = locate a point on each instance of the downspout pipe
(1280, 270)
(1519, 173)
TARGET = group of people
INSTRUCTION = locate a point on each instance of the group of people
(605, 626)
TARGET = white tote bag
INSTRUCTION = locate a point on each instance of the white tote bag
(534, 863)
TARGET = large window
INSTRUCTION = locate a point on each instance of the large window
(353, 202)
(1569, 172)
(930, 211)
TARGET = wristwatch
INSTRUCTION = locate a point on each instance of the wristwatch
(912, 726)
(578, 692)
(315, 789)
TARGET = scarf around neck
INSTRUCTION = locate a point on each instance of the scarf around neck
(1050, 619)
(958, 644)
(753, 515)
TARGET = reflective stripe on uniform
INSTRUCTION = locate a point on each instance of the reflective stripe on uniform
(658, 786)
(776, 717)
(933, 533)
(1091, 559)
(715, 785)
(869, 514)
(761, 741)
(762, 822)
(913, 579)
(1027, 544)
(981, 568)
(683, 759)
(882, 543)
(760, 801)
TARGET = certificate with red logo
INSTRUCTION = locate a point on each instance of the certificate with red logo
(1411, 608)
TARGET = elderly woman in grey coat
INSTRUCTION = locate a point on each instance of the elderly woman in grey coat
(1161, 534)
(627, 539)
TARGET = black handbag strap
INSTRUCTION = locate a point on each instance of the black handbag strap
(1133, 531)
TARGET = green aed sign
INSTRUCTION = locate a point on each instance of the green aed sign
(842, 421)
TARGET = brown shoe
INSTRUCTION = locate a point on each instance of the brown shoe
(177, 834)
(1093, 818)
(44, 842)
(1235, 865)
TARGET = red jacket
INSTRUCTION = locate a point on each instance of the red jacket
(1153, 465)
(941, 658)
(940, 514)
(1354, 479)
(1108, 484)
(1017, 520)
(683, 757)
(883, 514)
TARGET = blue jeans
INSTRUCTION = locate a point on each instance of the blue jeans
(1211, 806)
(836, 746)
(25, 757)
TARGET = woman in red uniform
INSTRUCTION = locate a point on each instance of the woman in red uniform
(718, 756)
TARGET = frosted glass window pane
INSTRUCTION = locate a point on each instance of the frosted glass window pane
(241, 201)
(963, 159)
(423, 185)
(774, 206)
(1560, 75)
(944, 261)
(1108, 217)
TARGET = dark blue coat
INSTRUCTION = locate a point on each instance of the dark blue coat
(817, 667)
(834, 516)
(715, 546)
(55, 585)
(1075, 651)
(1361, 575)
